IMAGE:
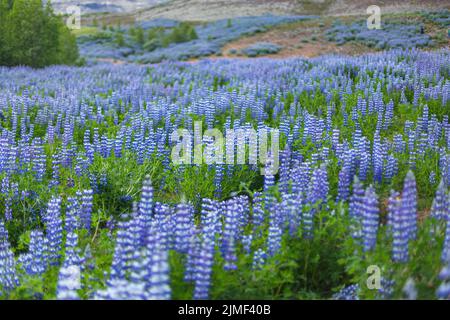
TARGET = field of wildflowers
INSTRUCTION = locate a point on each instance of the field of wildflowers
(212, 36)
(261, 48)
(94, 207)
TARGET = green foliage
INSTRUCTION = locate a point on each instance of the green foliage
(183, 33)
(140, 36)
(31, 34)
(119, 40)
(159, 37)
(153, 44)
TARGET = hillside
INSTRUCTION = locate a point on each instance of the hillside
(220, 9)
(116, 6)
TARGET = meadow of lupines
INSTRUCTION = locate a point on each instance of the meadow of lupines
(261, 48)
(212, 36)
(95, 209)
(391, 35)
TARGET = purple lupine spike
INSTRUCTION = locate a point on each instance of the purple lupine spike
(218, 178)
(69, 280)
(87, 199)
(397, 221)
(348, 293)
(146, 207)
(292, 206)
(409, 205)
(274, 239)
(230, 233)
(317, 194)
(285, 160)
(54, 228)
(139, 275)
(259, 259)
(121, 252)
(55, 171)
(164, 219)
(8, 209)
(439, 206)
(370, 219)
(72, 214)
(36, 263)
(247, 243)
(8, 276)
(344, 183)
(443, 291)
(204, 267)
(210, 218)
(377, 159)
(356, 209)
(184, 226)
(258, 212)
(159, 275)
(446, 248)
(192, 256)
(269, 182)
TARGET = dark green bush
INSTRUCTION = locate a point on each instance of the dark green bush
(31, 34)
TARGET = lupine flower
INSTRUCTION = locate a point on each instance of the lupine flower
(258, 212)
(409, 290)
(259, 259)
(8, 277)
(247, 242)
(69, 280)
(192, 256)
(439, 206)
(370, 219)
(274, 239)
(317, 194)
(344, 183)
(398, 221)
(230, 233)
(86, 208)
(72, 214)
(184, 226)
(159, 275)
(35, 261)
(348, 293)
(446, 249)
(409, 205)
(146, 207)
(443, 292)
(387, 289)
(356, 209)
(54, 230)
(210, 218)
(203, 270)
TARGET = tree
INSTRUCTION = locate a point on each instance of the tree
(139, 35)
(120, 41)
(67, 47)
(3, 15)
(31, 34)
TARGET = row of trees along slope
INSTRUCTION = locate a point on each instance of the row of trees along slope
(32, 34)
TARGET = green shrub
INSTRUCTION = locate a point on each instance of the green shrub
(31, 34)
(152, 45)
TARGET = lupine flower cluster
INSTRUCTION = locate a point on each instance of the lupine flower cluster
(85, 157)
(392, 35)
